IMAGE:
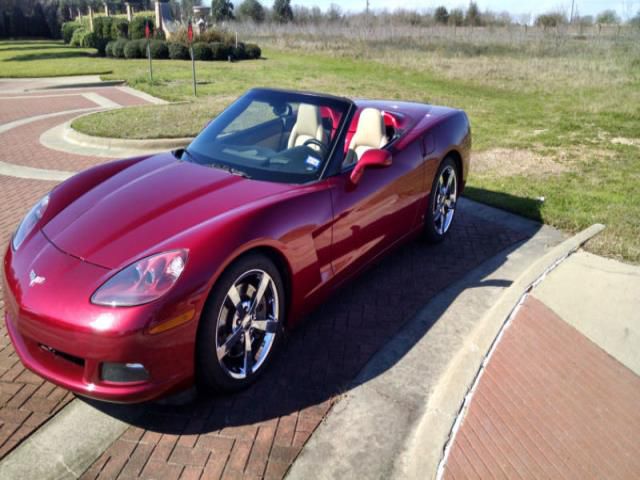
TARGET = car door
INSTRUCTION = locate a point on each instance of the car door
(378, 211)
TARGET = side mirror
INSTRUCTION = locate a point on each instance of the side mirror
(374, 158)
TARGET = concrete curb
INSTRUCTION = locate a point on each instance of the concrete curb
(66, 445)
(459, 377)
(100, 83)
(396, 418)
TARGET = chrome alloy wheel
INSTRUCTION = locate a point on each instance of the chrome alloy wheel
(247, 324)
(445, 202)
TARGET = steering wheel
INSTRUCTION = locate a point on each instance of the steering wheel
(313, 141)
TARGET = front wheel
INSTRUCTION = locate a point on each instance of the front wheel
(241, 325)
(442, 202)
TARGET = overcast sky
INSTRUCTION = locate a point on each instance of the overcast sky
(624, 8)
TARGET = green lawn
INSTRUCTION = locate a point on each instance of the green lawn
(563, 125)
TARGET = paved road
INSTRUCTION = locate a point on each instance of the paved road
(257, 433)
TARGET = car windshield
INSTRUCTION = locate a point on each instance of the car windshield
(272, 135)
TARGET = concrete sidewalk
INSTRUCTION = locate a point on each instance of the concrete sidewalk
(558, 396)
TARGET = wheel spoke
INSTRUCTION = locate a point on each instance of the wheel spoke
(450, 181)
(224, 349)
(248, 353)
(234, 296)
(262, 287)
(267, 326)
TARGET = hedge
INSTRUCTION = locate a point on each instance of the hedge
(202, 51)
(178, 51)
(135, 49)
(118, 47)
(67, 30)
(158, 49)
(136, 27)
(219, 51)
(253, 51)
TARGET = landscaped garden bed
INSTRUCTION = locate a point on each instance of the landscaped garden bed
(115, 37)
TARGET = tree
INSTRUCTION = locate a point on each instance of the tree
(456, 17)
(473, 15)
(550, 20)
(221, 10)
(282, 12)
(441, 15)
(251, 10)
(635, 21)
(608, 17)
(334, 13)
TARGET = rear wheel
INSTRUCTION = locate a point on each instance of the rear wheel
(442, 202)
(241, 325)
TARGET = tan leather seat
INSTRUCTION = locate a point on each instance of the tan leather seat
(308, 126)
(369, 134)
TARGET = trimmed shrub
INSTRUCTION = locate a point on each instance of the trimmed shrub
(118, 47)
(136, 27)
(90, 40)
(219, 51)
(84, 38)
(178, 51)
(253, 51)
(202, 51)
(135, 49)
(68, 28)
(239, 52)
(159, 49)
(108, 50)
(119, 28)
(78, 35)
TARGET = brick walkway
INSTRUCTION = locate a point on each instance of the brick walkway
(259, 432)
(256, 433)
(27, 401)
(550, 404)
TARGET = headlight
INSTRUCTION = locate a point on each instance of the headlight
(142, 282)
(33, 217)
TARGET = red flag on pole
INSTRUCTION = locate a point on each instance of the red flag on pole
(190, 32)
(147, 30)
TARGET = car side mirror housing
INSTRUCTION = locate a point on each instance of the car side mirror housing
(374, 158)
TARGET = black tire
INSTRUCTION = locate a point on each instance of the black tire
(212, 373)
(433, 230)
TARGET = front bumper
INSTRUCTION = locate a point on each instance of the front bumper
(61, 336)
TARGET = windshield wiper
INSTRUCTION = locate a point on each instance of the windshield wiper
(229, 169)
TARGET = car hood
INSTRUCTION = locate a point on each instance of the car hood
(146, 204)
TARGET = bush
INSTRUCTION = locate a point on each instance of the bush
(135, 49)
(78, 35)
(90, 40)
(68, 29)
(102, 27)
(119, 28)
(159, 49)
(253, 51)
(118, 47)
(136, 27)
(108, 50)
(84, 38)
(239, 52)
(178, 51)
(219, 51)
(202, 51)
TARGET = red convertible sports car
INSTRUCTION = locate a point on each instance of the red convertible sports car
(136, 278)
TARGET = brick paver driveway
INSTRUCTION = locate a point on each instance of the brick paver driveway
(256, 433)
(26, 401)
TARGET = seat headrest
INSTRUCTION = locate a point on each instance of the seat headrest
(370, 131)
(308, 120)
